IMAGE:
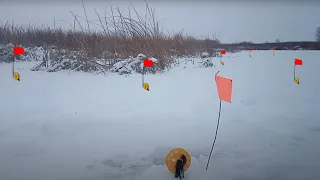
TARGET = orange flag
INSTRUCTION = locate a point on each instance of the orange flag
(147, 63)
(298, 62)
(224, 86)
(18, 50)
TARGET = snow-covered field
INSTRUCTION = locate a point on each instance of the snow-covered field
(78, 126)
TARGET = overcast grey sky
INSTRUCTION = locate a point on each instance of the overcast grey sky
(232, 21)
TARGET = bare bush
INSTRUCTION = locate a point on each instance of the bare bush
(120, 36)
(318, 34)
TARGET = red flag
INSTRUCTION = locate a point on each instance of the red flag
(224, 86)
(297, 62)
(274, 48)
(147, 63)
(223, 51)
(250, 49)
(18, 50)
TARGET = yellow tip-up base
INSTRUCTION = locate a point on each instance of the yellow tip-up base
(176, 154)
(16, 76)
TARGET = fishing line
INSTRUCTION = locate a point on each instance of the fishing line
(217, 128)
(294, 72)
(13, 59)
(215, 137)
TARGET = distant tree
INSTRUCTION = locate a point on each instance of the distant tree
(318, 34)
(245, 43)
(277, 40)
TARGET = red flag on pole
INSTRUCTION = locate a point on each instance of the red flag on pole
(147, 63)
(250, 49)
(298, 62)
(18, 50)
(223, 51)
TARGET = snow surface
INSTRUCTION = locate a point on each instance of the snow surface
(79, 126)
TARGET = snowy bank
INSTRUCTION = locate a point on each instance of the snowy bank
(52, 59)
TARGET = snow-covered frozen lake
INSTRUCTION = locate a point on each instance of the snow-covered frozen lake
(78, 126)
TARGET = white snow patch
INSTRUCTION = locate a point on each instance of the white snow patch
(84, 126)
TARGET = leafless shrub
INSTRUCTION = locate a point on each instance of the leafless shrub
(120, 36)
(318, 34)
